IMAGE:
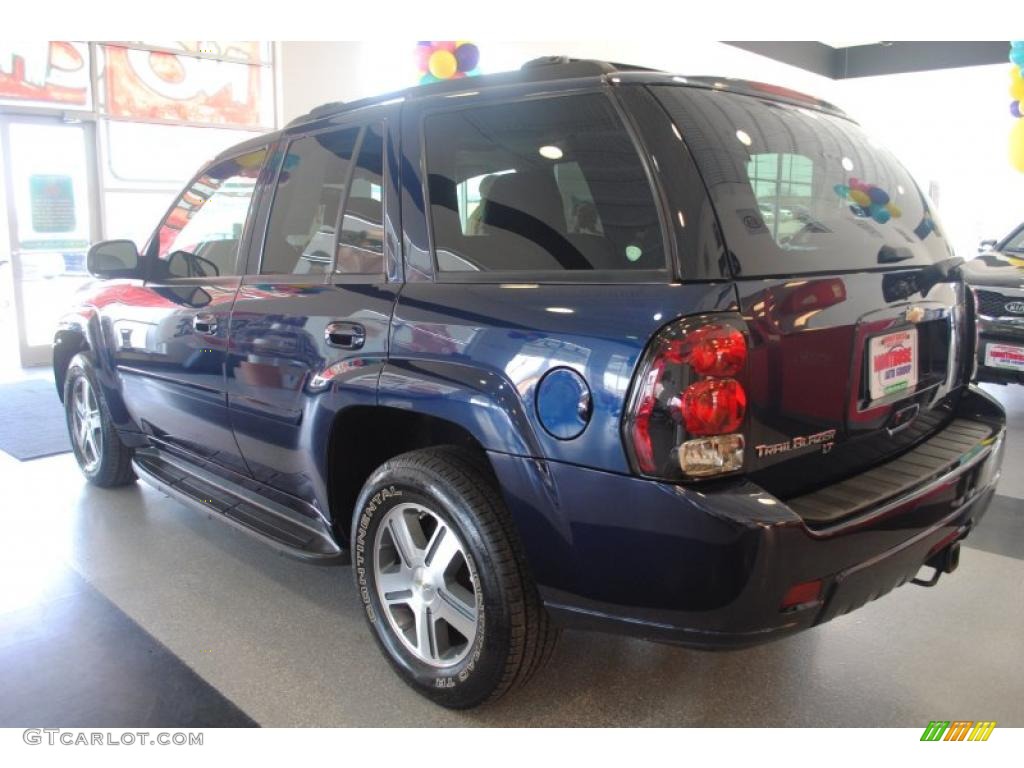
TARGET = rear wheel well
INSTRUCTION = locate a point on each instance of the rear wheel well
(66, 345)
(363, 438)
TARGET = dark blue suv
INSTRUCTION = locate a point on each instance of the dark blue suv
(581, 345)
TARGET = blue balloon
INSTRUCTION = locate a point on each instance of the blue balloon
(1017, 56)
(878, 196)
(880, 215)
(842, 190)
(1015, 108)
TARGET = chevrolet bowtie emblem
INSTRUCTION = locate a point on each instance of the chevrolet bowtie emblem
(915, 314)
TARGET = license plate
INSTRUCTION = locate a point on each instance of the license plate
(892, 363)
(1004, 356)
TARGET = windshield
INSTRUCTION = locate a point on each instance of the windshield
(1015, 242)
(797, 190)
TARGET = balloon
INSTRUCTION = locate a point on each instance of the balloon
(444, 45)
(428, 78)
(894, 210)
(1017, 56)
(1017, 145)
(879, 197)
(879, 214)
(860, 197)
(443, 64)
(842, 190)
(1017, 90)
(423, 56)
(468, 56)
(1016, 73)
(1015, 108)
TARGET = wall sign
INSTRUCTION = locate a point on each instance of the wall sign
(52, 200)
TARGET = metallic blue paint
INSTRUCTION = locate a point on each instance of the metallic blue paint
(563, 403)
(262, 399)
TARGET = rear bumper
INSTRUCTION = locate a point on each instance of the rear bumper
(710, 566)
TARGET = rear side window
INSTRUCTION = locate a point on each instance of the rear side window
(547, 185)
(798, 190)
(310, 191)
(361, 244)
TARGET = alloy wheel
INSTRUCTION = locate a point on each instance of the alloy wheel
(427, 584)
(86, 424)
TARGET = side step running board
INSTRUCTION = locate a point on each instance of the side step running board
(273, 523)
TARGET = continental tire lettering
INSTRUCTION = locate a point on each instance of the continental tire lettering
(360, 554)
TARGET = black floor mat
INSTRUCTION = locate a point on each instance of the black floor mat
(32, 420)
(75, 660)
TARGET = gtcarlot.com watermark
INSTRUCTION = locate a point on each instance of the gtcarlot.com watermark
(76, 738)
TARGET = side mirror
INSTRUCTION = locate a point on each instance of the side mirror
(112, 259)
(986, 245)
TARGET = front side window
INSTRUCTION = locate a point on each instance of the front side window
(548, 185)
(201, 235)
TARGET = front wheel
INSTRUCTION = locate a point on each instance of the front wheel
(103, 458)
(442, 577)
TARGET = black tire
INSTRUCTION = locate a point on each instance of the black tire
(114, 465)
(514, 637)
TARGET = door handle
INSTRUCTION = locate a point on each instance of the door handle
(345, 335)
(205, 323)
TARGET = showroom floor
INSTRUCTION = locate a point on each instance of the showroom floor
(124, 608)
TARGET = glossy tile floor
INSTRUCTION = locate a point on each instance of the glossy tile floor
(123, 608)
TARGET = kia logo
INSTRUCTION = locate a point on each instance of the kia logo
(1016, 307)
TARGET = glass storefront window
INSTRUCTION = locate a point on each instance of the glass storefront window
(45, 74)
(160, 86)
(250, 52)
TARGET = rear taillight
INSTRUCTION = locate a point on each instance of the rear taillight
(688, 402)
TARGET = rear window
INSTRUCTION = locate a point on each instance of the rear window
(797, 190)
(547, 185)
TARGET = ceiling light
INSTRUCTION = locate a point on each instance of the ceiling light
(551, 152)
(744, 138)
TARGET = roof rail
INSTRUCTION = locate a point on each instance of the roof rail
(569, 67)
(559, 67)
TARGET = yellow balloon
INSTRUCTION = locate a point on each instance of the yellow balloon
(1017, 90)
(443, 64)
(1015, 74)
(860, 197)
(1017, 144)
(894, 210)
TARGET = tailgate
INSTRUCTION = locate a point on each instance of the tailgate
(842, 380)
